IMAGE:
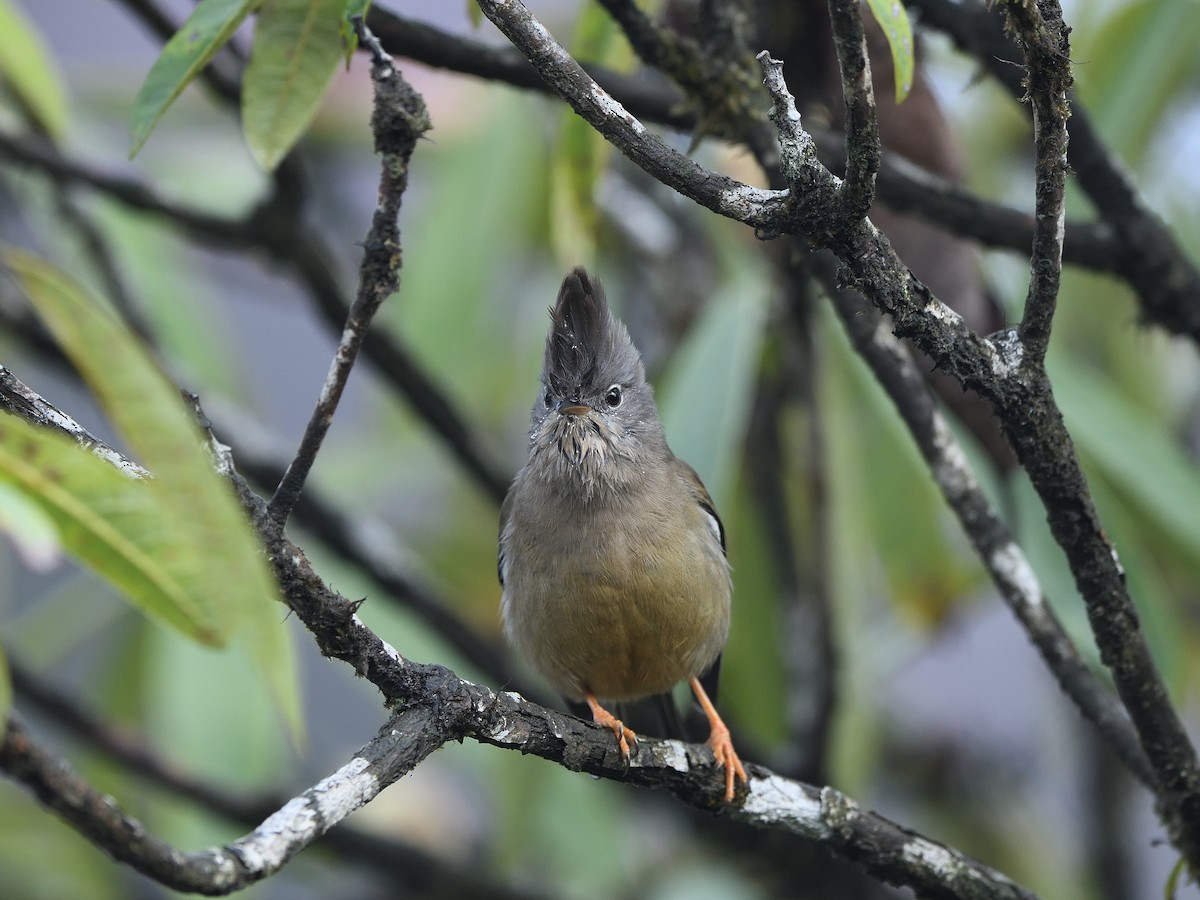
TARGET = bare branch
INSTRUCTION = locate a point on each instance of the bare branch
(1048, 60)
(397, 749)
(1003, 558)
(399, 120)
(863, 147)
(1147, 254)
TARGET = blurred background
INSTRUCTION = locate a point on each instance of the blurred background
(875, 656)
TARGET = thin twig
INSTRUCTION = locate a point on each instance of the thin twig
(399, 120)
(1048, 61)
(863, 147)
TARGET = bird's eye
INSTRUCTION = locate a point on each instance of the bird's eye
(547, 399)
(613, 397)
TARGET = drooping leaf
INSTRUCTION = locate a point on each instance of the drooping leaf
(893, 19)
(209, 27)
(29, 73)
(206, 563)
(114, 524)
(297, 46)
(474, 13)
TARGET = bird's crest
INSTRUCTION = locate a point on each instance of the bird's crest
(587, 347)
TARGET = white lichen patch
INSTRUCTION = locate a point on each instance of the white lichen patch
(952, 471)
(776, 801)
(673, 754)
(615, 110)
(934, 857)
(1010, 563)
(279, 837)
(742, 198)
(942, 312)
(1007, 354)
(346, 790)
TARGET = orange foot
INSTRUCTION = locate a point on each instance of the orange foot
(625, 736)
(720, 742)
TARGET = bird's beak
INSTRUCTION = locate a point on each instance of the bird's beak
(573, 408)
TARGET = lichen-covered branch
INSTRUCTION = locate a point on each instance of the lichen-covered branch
(863, 147)
(396, 750)
(1048, 61)
(1003, 558)
(398, 122)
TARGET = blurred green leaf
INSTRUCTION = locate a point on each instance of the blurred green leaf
(1127, 99)
(28, 71)
(109, 521)
(29, 528)
(893, 19)
(209, 27)
(1135, 451)
(5, 689)
(346, 30)
(297, 47)
(580, 152)
(705, 394)
(474, 13)
(192, 553)
(924, 554)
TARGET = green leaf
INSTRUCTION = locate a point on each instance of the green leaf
(346, 30)
(209, 27)
(112, 523)
(296, 51)
(206, 565)
(32, 532)
(27, 70)
(5, 689)
(474, 13)
(1135, 451)
(580, 152)
(1129, 100)
(706, 393)
(893, 19)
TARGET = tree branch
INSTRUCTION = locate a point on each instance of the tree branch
(399, 120)
(1146, 254)
(1002, 557)
(863, 147)
(397, 749)
(1048, 60)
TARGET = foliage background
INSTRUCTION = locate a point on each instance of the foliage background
(945, 718)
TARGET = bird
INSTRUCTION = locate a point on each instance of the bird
(615, 583)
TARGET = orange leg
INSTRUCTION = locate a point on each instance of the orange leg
(720, 742)
(602, 716)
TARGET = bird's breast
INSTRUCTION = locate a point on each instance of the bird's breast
(622, 596)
